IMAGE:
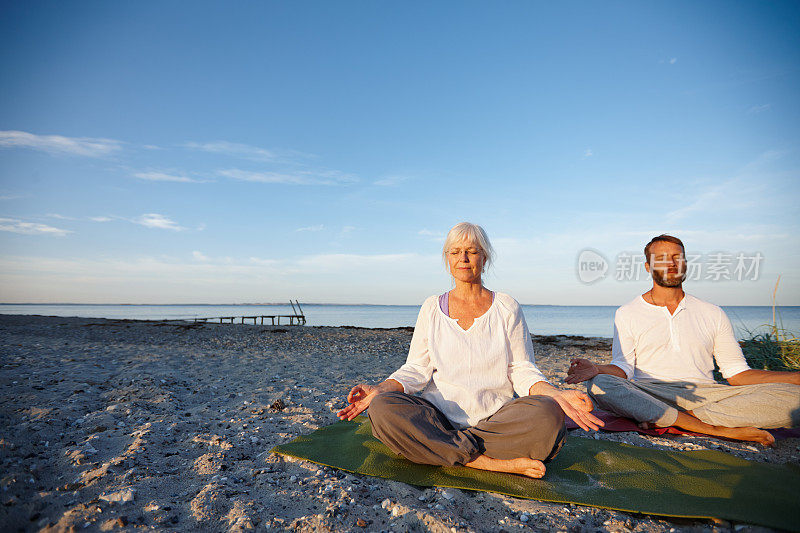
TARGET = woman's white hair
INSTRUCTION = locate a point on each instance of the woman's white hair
(473, 234)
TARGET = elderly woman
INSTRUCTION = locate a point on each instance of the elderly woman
(471, 351)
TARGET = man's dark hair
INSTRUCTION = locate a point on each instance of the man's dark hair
(662, 238)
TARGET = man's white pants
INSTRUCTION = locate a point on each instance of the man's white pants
(766, 405)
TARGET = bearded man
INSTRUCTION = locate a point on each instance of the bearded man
(663, 354)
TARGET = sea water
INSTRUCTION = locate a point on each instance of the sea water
(590, 321)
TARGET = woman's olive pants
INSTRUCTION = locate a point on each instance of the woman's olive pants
(532, 426)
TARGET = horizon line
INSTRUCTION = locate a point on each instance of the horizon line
(332, 304)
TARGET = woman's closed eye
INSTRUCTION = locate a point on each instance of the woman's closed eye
(469, 252)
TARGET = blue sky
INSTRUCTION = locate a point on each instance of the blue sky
(222, 152)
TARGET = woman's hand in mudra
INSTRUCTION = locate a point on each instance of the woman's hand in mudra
(362, 394)
(578, 406)
(358, 400)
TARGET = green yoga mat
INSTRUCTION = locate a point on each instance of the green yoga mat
(696, 484)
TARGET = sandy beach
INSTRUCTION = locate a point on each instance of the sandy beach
(125, 425)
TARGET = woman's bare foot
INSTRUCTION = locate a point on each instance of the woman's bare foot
(523, 466)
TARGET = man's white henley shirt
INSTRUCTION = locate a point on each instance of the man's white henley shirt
(652, 344)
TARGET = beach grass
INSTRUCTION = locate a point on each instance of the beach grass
(774, 349)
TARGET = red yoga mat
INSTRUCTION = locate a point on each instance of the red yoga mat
(619, 423)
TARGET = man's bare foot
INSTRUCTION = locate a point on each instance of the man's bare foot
(686, 420)
(523, 466)
(749, 434)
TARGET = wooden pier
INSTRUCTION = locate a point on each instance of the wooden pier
(295, 319)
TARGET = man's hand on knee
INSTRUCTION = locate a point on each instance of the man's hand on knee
(581, 370)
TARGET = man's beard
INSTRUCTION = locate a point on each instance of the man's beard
(662, 281)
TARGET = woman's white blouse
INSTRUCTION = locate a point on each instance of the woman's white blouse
(470, 374)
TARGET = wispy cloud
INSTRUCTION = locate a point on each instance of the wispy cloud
(57, 144)
(390, 181)
(703, 201)
(759, 109)
(433, 235)
(588, 153)
(150, 279)
(154, 220)
(263, 262)
(350, 262)
(318, 227)
(11, 196)
(148, 220)
(673, 60)
(199, 262)
(744, 191)
(163, 176)
(14, 225)
(233, 149)
(761, 234)
(325, 177)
